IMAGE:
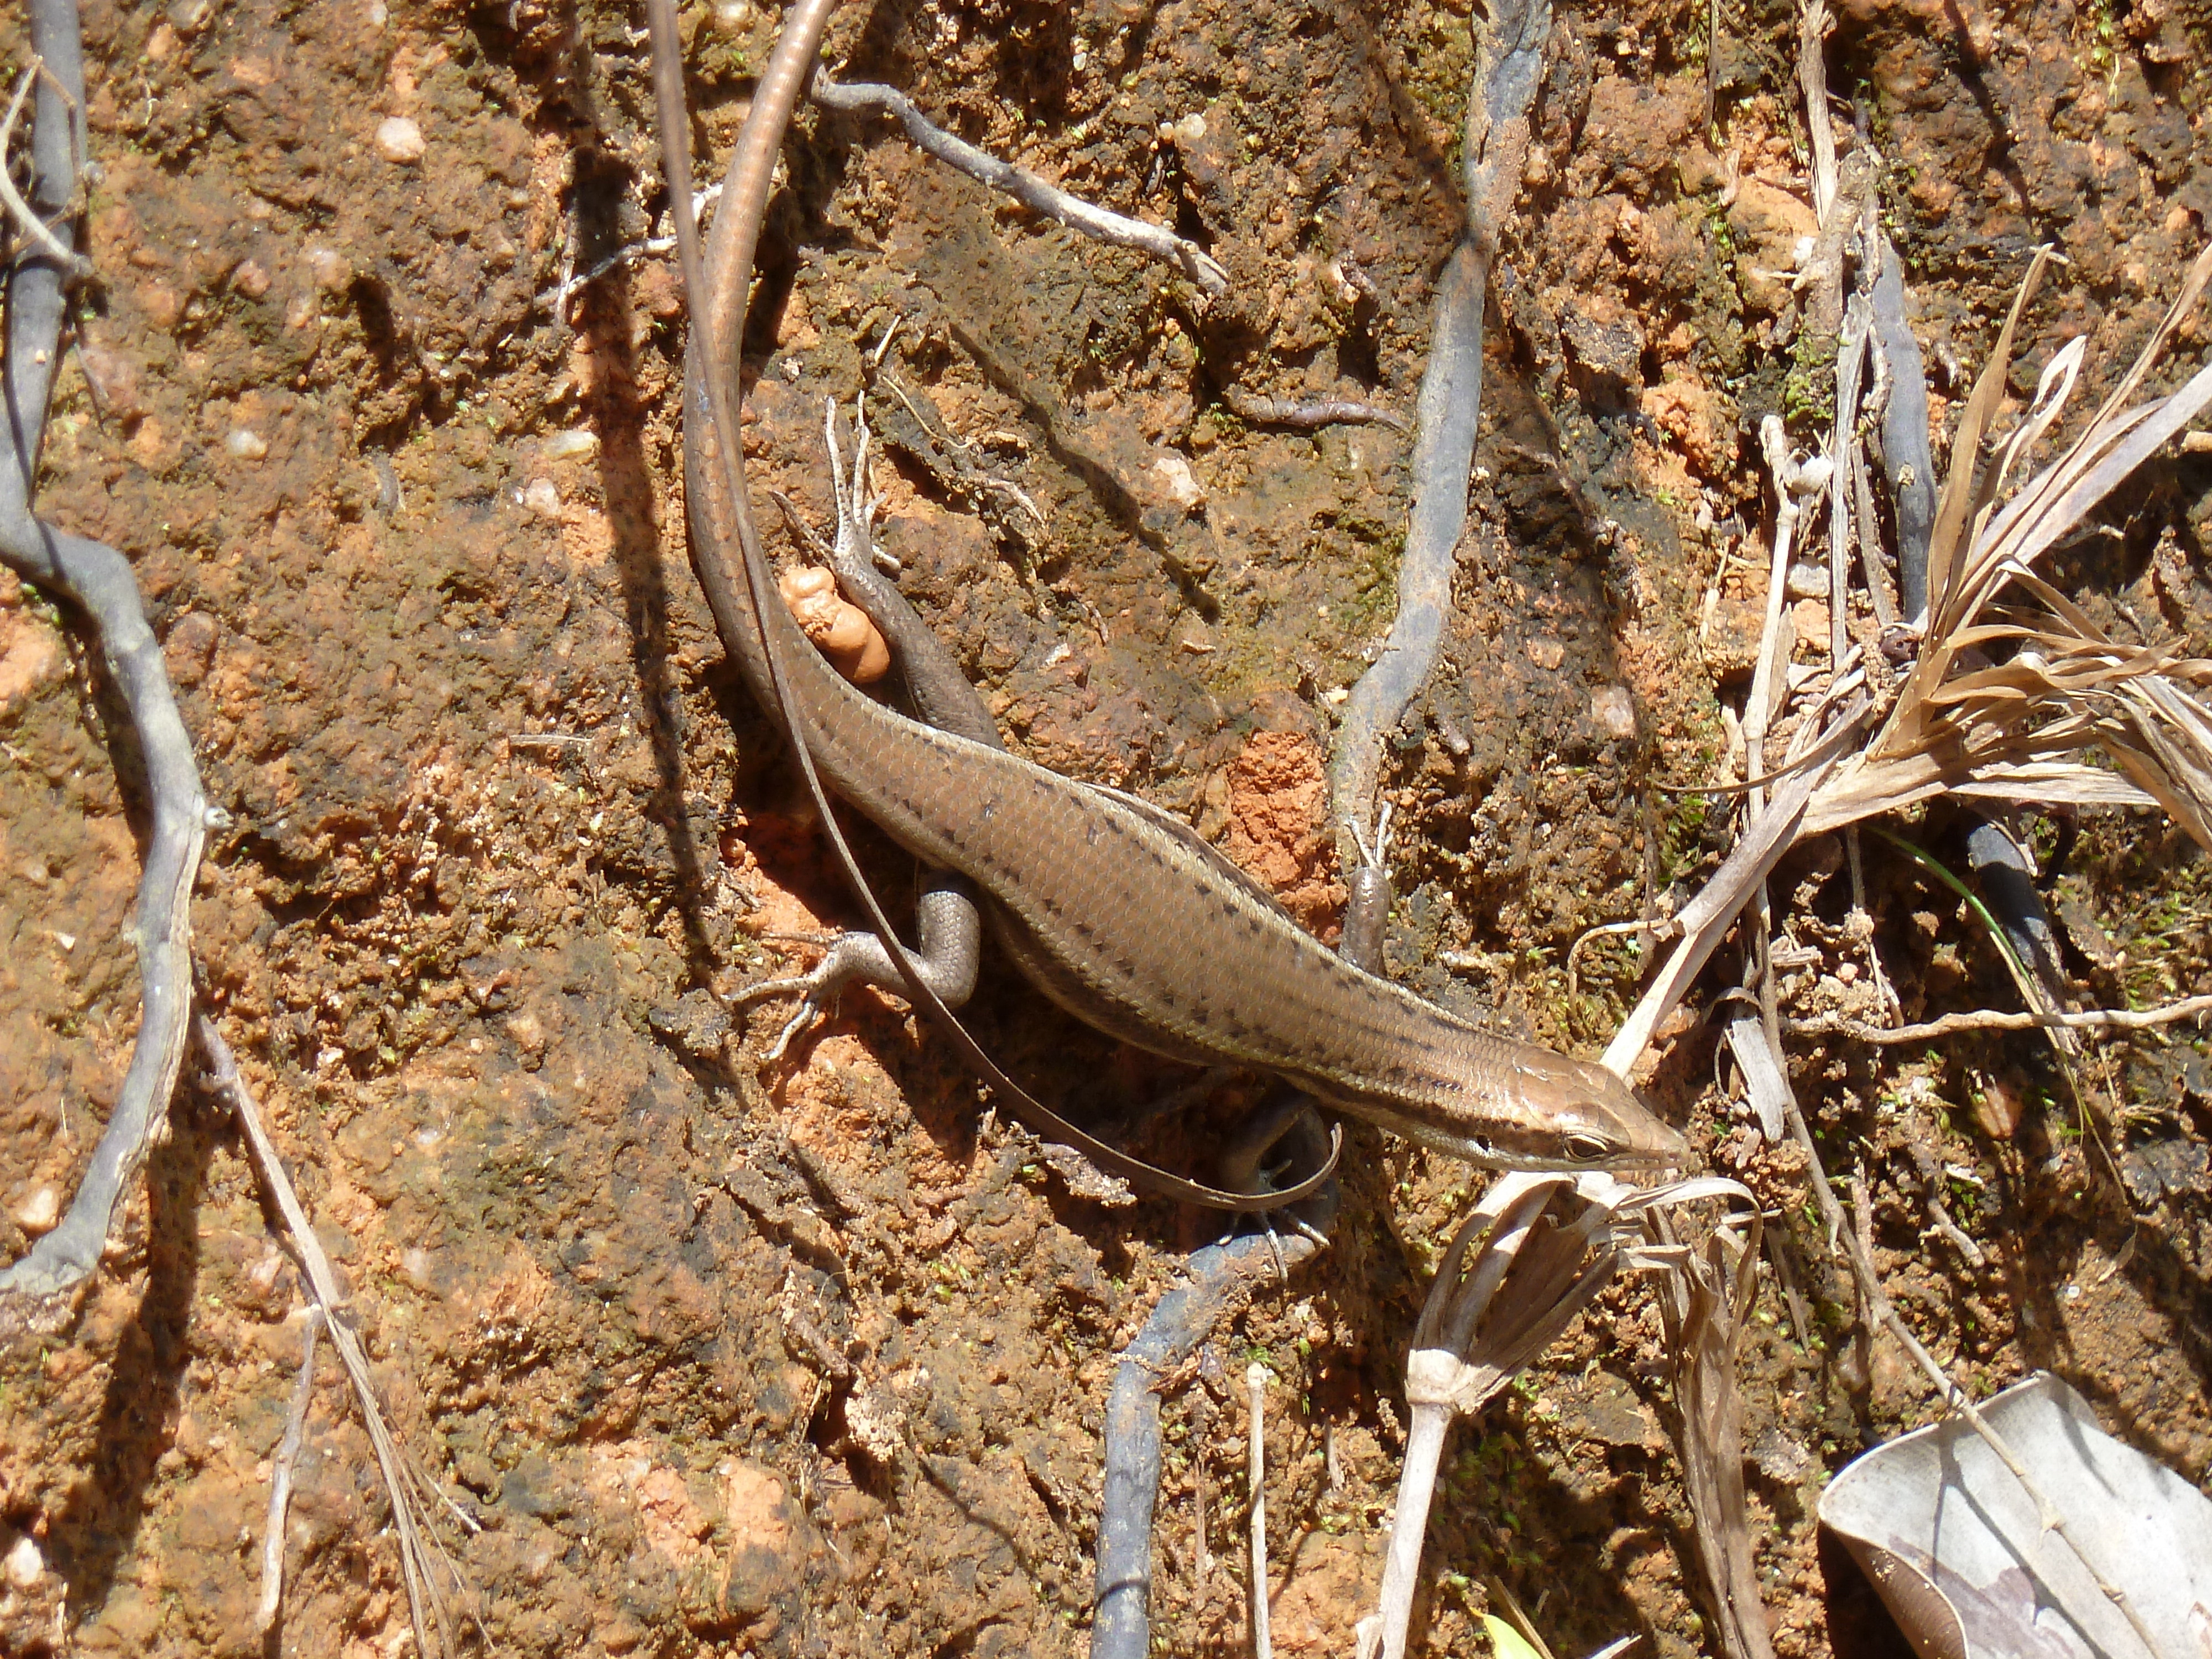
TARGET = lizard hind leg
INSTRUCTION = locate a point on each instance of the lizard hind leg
(949, 955)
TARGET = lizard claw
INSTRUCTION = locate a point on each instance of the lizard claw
(814, 991)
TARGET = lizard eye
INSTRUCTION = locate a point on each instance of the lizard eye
(1586, 1148)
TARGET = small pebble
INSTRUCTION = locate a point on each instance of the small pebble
(330, 269)
(1814, 475)
(246, 443)
(567, 446)
(1190, 130)
(37, 1213)
(399, 140)
(189, 647)
(25, 1566)
(1614, 711)
(542, 498)
(1810, 617)
(1182, 485)
(163, 306)
(1808, 582)
(115, 380)
(250, 277)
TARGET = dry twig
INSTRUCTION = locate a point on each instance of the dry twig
(1988, 1019)
(280, 1480)
(1255, 1388)
(25, 217)
(1217, 1279)
(420, 1557)
(99, 583)
(1101, 224)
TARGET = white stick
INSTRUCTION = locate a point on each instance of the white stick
(1255, 1380)
(280, 1482)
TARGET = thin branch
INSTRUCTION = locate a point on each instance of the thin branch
(1510, 61)
(75, 264)
(1906, 460)
(1706, 919)
(400, 1480)
(280, 1481)
(1814, 24)
(97, 582)
(1101, 224)
(555, 299)
(1219, 1279)
(1256, 1387)
(2120, 1020)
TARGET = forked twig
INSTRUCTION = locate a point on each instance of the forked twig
(20, 210)
(402, 1481)
(1101, 224)
(1217, 1279)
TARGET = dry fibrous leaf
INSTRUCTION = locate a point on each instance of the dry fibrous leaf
(1543, 1246)
(2017, 730)
(1704, 1301)
(1957, 1549)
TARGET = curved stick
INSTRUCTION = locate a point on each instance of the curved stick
(1449, 407)
(97, 581)
(1101, 224)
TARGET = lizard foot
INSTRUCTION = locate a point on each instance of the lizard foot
(812, 1004)
(816, 989)
(1283, 1138)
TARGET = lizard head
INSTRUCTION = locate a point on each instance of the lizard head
(1576, 1116)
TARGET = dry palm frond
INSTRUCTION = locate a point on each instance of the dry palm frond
(2017, 730)
(1705, 1300)
(1543, 1247)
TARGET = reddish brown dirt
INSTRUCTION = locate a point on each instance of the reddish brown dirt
(725, 1356)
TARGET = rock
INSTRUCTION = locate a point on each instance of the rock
(399, 140)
